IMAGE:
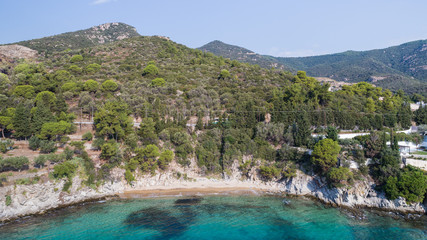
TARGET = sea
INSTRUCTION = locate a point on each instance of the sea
(214, 217)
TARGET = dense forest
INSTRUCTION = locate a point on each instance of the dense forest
(195, 105)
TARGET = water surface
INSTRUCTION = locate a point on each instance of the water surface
(213, 217)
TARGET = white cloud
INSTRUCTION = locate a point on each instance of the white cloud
(96, 2)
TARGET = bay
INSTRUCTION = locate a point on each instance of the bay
(212, 217)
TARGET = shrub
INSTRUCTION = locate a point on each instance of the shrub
(70, 87)
(109, 150)
(224, 74)
(25, 91)
(93, 68)
(40, 161)
(179, 138)
(65, 169)
(78, 146)
(13, 163)
(45, 97)
(269, 172)
(67, 185)
(290, 171)
(129, 176)
(150, 70)
(69, 153)
(76, 58)
(109, 86)
(183, 151)
(246, 167)
(97, 143)
(34, 143)
(27, 181)
(6, 145)
(158, 82)
(87, 136)
(3, 178)
(337, 176)
(8, 200)
(55, 158)
(165, 158)
(270, 131)
(91, 85)
(47, 146)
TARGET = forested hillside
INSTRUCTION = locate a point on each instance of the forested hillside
(242, 114)
(241, 54)
(399, 67)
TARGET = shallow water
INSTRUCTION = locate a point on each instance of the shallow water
(213, 217)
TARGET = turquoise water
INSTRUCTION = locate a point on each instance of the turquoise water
(213, 217)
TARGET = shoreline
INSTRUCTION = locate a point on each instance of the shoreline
(153, 193)
(188, 192)
(32, 200)
(225, 191)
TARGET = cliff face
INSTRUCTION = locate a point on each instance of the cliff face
(362, 194)
(37, 198)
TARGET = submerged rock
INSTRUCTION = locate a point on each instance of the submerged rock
(188, 201)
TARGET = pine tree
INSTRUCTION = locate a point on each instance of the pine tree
(302, 133)
(147, 131)
(41, 115)
(22, 122)
(199, 125)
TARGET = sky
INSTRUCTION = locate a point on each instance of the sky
(274, 27)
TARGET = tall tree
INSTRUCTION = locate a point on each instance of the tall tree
(301, 130)
(113, 120)
(5, 121)
(41, 116)
(332, 133)
(147, 131)
(22, 122)
(325, 153)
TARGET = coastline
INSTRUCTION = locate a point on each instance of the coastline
(42, 197)
(193, 192)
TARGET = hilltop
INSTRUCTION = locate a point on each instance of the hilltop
(399, 67)
(104, 33)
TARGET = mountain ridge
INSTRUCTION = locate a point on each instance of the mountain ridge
(93, 36)
(238, 53)
(397, 67)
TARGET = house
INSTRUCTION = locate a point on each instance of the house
(406, 147)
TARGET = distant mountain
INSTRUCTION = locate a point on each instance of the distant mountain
(241, 54)
(105, 33)
(399, 67)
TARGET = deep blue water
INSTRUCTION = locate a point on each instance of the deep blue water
(213, 217)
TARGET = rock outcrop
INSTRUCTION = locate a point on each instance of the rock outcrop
(16, 51)
(362, 194)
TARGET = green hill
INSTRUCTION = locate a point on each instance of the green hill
(194, 109)
(399, 67)
(105, 33)
(241, 54)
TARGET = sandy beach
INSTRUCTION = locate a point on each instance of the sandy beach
(201, 187)
(192, 192)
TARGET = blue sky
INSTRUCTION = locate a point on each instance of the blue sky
(278, 28)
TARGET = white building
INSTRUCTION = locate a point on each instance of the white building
(406, 147)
